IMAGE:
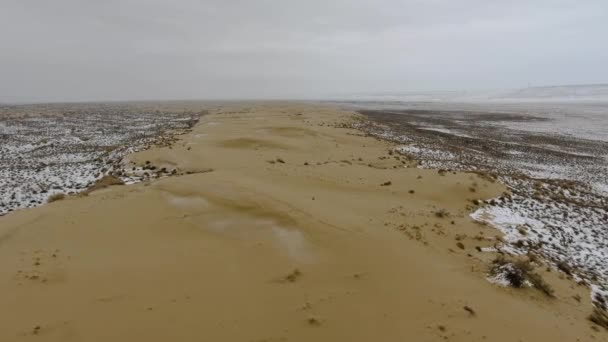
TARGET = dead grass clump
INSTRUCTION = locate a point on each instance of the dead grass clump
(534, 258)
(55, 197)
(514, 273)
(522, 230)
(442, 213)
(469, 310)
(599, 317)
(490, 177)
(313, 321)
(564, 267)
(520, 272)
(293, 276)
(103, 183)
(539, 283)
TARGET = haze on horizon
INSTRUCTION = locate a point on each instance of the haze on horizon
(84, 50)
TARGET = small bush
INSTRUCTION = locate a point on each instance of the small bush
(538, 282)
(293, 276)
(103, 183)
(564, 267)
(519, 273)
(55, 197)
(599, 317)
(442, 213)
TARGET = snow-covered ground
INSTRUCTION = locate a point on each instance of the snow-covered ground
(578, 111)
(69, 149)
(551, 157)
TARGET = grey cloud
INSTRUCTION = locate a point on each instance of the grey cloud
(136, 49)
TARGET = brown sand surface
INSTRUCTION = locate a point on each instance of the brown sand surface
(249, 243)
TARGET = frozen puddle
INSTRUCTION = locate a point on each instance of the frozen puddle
(188, 202)
(293, 242)
(242, 226)
(289, 241)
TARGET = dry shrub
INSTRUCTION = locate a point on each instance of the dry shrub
(293, 276)
(564, 267)
(538, 282)
(103, 183)
(519, 272)
(469, 310)
(490, 177)
(55, 197)
(599, 317)
(442, 213)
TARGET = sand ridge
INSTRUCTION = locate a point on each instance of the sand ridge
(277, 228)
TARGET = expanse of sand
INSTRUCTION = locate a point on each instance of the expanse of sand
(278, 228)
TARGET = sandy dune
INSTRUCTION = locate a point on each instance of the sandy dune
(277, 229)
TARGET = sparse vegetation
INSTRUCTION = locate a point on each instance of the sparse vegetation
(539, 283)
(442, 213)
(73, 143)
(599, 317)
(564, 267)
(313, 321)
(103, 183)
(55, 197)
(469, 310)
(293, 276)
(519, 273)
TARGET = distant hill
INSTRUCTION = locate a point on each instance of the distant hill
(585, 91)
(568, 93)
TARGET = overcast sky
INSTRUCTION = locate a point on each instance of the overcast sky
(73, 50)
